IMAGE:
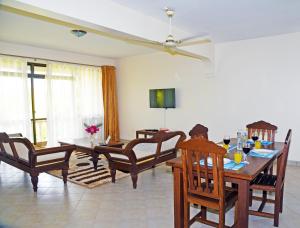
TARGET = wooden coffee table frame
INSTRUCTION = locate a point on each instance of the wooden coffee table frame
(83, 145)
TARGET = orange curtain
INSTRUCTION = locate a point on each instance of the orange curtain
(110, 103)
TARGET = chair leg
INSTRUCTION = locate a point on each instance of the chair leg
(203, 212)
(235, 213)
(271, 170)
(277, 208)
(34, 181)
(221, 218)
(250, 197)
(113, 175)
(263, 202)
(134, 178)
(281, 199)
(64, 173)
(186, 215)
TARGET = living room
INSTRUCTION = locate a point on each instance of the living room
(251, 75)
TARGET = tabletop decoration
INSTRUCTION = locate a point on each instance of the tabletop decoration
(92, 130)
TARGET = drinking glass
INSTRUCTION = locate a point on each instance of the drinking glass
(255, 136)
(237, 156)
(226, 141)
(246, 150)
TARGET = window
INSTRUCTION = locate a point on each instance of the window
(48, 102)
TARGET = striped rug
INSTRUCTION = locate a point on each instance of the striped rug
(82, 171)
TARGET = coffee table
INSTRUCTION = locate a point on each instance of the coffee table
(85, 146)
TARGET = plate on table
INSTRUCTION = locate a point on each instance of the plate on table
(263, 151)
(226, 161)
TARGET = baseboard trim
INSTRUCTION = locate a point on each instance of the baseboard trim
(293, 163)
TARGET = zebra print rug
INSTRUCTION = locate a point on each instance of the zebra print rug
(81, 171)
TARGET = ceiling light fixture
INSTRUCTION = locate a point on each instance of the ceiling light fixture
(78, 33)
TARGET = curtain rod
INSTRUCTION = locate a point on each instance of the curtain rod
(20, 56)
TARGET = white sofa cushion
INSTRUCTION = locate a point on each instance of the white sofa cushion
(119, 156)
(144, 149)
(8, 149)
(22, 151)
(47, 157)
(170, 144)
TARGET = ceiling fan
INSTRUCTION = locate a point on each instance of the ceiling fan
(171, 45)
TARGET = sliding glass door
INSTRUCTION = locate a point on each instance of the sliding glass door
(38, 102)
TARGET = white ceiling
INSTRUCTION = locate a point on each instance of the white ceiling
(29, 31)
(226, 20)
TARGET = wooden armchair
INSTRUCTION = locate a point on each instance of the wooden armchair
(199, 131)
(20, 153)
(140, 154)
(272, 183)
(198, 187)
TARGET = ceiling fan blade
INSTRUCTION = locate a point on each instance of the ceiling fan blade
(176, 51)
(193, 40)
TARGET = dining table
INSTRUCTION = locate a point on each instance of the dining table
(240, 178)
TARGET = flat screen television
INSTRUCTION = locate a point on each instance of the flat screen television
(162, 98)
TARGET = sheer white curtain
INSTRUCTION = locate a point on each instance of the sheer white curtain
(74, 98)
(14, 96)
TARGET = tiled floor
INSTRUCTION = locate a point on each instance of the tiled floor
(111, 205)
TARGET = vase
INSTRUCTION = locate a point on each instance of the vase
(92, 139)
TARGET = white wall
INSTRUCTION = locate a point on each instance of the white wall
(35, 52)
(254, 79)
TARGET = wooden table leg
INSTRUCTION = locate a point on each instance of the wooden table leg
(95, 158)
(178, 198)
(243, 204)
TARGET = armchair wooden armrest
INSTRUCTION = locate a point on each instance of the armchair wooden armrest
(52, 150)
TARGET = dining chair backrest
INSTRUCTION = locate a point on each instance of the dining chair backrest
(199, 131)
(203, 168)
(264, 129)
(284, 157)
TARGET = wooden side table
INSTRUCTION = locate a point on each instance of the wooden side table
(145, 133)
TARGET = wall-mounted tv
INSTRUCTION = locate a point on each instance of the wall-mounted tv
(162, 98)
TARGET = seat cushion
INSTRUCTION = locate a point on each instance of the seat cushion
(170, 144)
(121, 156)
(142, 150)
(47, 157)
(8, 149)
(22, 151)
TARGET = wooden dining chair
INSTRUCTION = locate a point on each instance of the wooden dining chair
(199, 131)
(267, 132)
(264, 129)
(198, 187)
(273, 183)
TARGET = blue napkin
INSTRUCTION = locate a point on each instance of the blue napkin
(265, 142)
(251, 142)
(230, 165)
(234, 166)
(232, 147)
(254, 153)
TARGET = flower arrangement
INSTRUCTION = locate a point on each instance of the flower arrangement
(92, 129)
